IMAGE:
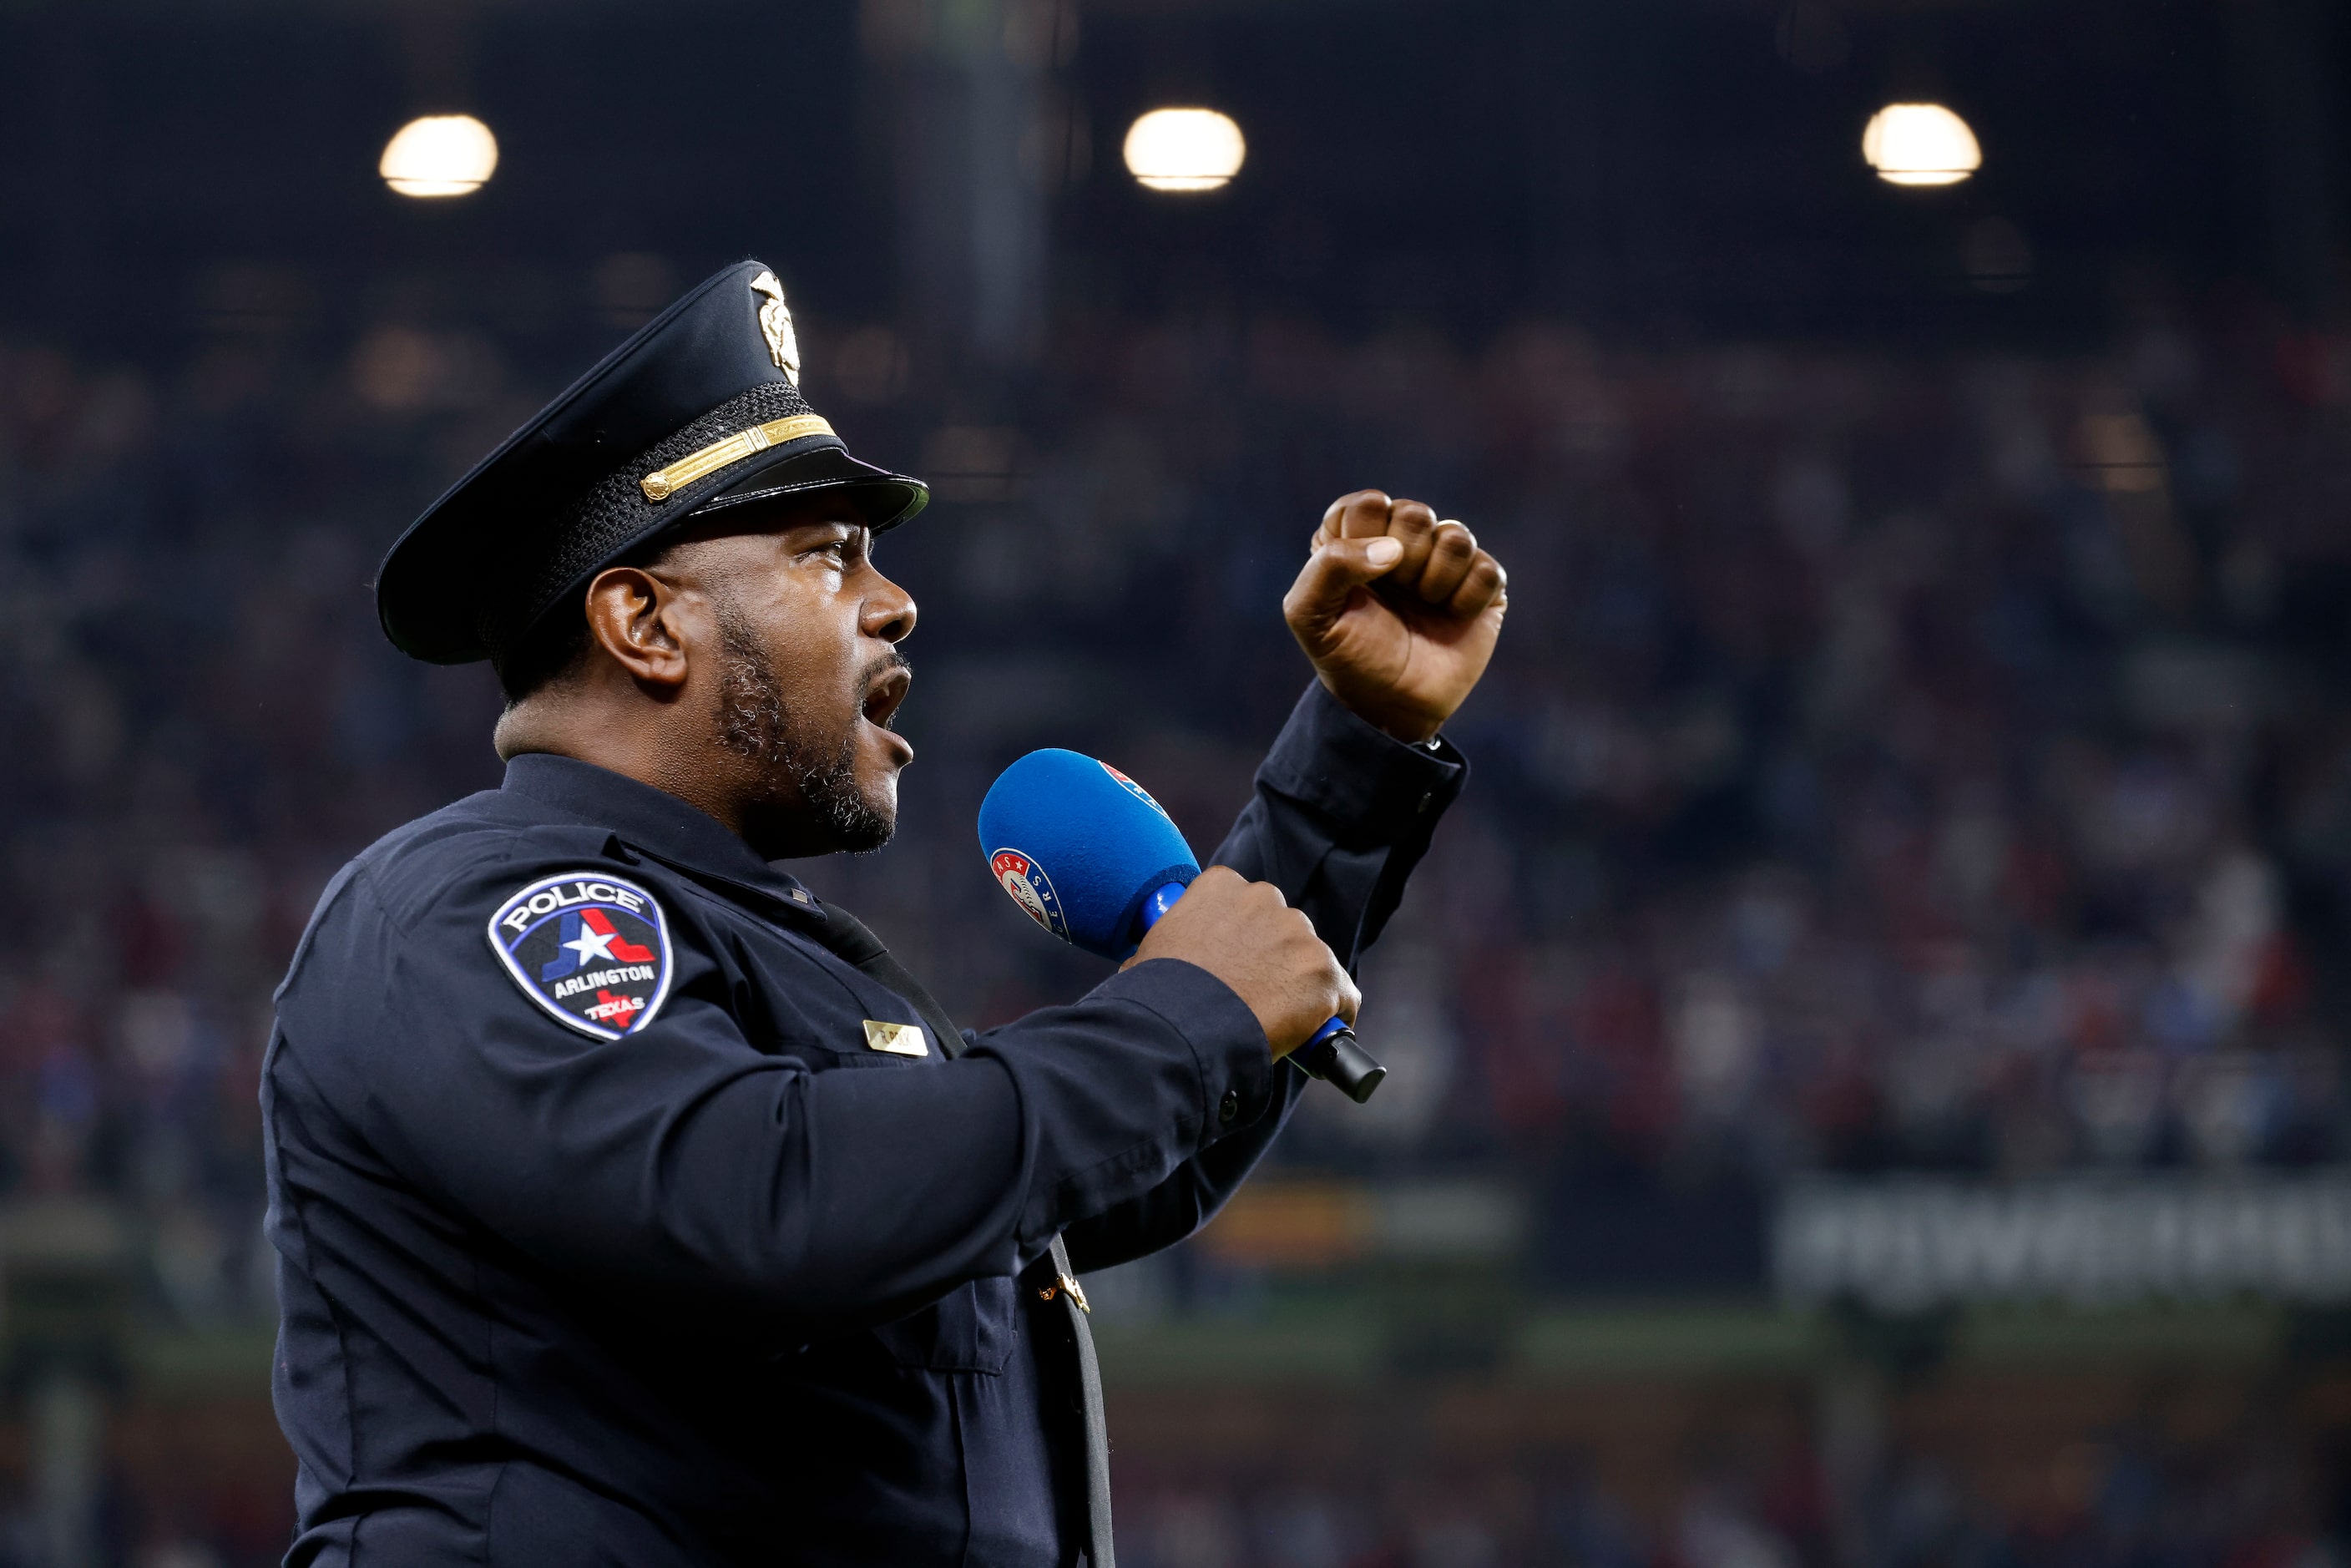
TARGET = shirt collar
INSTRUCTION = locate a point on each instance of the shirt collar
(658, 823)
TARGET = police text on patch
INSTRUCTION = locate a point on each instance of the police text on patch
(591, 949)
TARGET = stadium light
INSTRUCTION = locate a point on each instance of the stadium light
(1184, 149)
(439, 155)
(1920, 144)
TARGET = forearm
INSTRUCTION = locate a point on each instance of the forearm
(686, 1167)
(1341, 815)
(1180, 1206)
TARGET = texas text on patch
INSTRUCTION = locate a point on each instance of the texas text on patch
(589, 948)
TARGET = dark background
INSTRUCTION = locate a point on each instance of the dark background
(1917, 752)
(1662, 171)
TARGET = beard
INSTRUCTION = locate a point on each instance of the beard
(754, 722)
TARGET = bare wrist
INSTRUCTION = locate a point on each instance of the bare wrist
(1413, 729)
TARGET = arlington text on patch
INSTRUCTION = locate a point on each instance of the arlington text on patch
(589, 948)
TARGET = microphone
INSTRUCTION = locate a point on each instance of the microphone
(1094, 860)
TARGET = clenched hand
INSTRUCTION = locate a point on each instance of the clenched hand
(1398, 610)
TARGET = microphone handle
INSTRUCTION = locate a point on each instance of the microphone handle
(1331, 1054)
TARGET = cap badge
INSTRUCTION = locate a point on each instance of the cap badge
(776, 325)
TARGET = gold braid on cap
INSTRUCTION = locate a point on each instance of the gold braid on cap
(662, 482)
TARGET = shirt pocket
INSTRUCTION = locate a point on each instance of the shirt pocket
(794, 999)
(970, 1329)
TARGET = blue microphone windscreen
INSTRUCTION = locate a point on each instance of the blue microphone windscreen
(1080, 845)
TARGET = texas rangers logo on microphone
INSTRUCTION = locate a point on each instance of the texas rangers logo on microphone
(1031, 889)
(589, 948)
(1132, 788)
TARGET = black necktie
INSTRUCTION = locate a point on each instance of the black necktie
(847, 937)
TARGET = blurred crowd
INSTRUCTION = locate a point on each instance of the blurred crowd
(2130, 1499)
(1892, 760)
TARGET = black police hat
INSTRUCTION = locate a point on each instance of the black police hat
(699, 411)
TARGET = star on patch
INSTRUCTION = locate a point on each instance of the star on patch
(591, 949)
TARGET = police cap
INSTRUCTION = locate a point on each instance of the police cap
(698, 412)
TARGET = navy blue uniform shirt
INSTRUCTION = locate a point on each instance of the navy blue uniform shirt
(729, 1281)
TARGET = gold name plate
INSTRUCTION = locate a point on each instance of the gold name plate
(897, 1038)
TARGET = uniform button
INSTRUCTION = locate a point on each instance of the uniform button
(1426, 801)
(1228, 1107)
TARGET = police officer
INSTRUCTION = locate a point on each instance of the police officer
(634, 1206)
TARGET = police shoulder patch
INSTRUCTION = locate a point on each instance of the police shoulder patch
(588, 947)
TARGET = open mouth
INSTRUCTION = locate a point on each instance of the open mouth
(885, 692)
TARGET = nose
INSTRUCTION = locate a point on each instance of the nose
(889, 612)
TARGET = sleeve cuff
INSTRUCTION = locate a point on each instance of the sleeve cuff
(1228, 1047)
(1355, 773)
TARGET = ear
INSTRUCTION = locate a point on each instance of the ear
(639, 620)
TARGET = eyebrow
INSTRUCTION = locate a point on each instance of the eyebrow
(792, 540)
(853, 525)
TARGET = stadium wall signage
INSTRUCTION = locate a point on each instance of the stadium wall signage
(1904, 1245)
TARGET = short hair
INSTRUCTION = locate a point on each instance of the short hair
(555, 645)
